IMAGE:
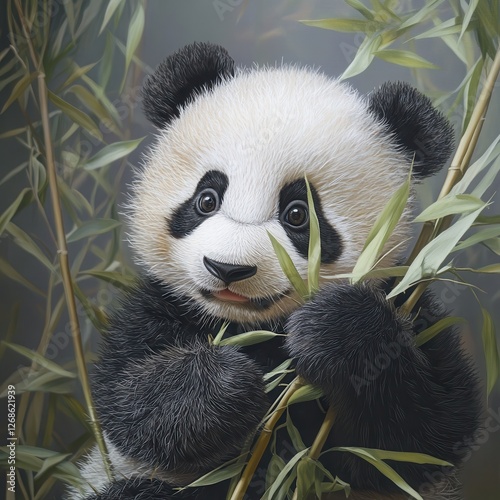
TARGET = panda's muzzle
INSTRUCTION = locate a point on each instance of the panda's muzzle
(228, 273)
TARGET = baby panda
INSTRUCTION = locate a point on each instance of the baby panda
(227, 168)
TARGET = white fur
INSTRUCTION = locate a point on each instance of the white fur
(263, 128)
(95, 477)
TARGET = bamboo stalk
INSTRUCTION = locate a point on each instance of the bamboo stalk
(263, 440)
(320, 439)
(456, 171)
(62, 247)
(464, 151)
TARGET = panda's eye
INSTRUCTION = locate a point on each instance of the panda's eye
(296, 215)
(208, 202)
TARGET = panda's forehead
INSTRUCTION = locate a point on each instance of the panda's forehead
(266, 128)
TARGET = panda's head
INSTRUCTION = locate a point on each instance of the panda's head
(228, 167)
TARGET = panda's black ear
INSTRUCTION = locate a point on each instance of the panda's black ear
(417, 127)
(181, 77)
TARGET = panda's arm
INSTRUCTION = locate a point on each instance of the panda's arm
(387, 392)
(166, 398)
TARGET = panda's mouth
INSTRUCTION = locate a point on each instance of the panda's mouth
(228, 296)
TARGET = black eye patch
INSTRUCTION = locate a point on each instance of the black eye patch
(331, 244)
(188, 216)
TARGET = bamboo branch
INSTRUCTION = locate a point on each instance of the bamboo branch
(464, 152)
(456, 171)
(320, 439)
(62, 247)
(263, 440)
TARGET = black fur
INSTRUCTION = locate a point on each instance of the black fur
(191, 70)
(168, 398)
(195, 405)
(418, 128)
(331, 244)
(142, 489)
(186, 218)
(388, 394)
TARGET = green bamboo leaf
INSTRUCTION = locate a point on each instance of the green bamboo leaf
(90, 15)
(488, 178)
(50, 462)
(306, 477)
(344, 25)
(405, 456)
(430, 258)
(364, 56)
(487, 219)
(119, 280)
(429, 333)
(222, 473)
(314, 250)
(271, 495)
(493, 244)
(492, 153)
(40, 360)
(134, 35)
(385, 469)
(360, 7)
(470, 92)
(491, 269)
(76, 115)
(490, 351)
(106, 66)
(111, 153)
(249, 338)
(422, 14)
(382, 230)
(220, 334)
(478, 237)
(281, 368)
(13, 132)
(288, 267)
(19, 88)
(76, 74)
(24, 240)
(294, 434)
(92, 228)
(449, 205)
(13, 173)
(7, 215)
(15, 76)
(450, 27)
(276, 465)
(10, 272)
(467, 17)
(404, 58)
(305, 393)
(110, 10)
(8, 65)
(95, 106)
(48, 382)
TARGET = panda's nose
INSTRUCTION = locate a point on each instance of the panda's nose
(229, 273)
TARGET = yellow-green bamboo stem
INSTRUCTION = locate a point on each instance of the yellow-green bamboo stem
(456, 171)
(320, 439)
(62, 246)
(464, 151)
(263, 440)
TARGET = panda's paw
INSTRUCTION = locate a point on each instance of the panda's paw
(341, 329)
